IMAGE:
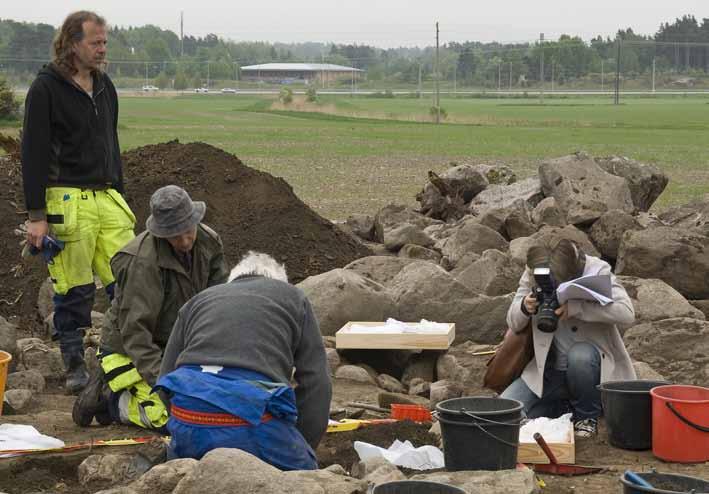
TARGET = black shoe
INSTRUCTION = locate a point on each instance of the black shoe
(76, 379)
(91, 403)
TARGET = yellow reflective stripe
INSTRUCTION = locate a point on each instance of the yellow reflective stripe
(124, 380)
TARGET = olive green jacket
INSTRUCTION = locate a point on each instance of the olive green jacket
(151, 286)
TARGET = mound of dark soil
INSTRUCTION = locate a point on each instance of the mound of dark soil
(19, 281)
(251, 210)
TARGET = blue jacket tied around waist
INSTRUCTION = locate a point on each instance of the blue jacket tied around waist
(245, 395)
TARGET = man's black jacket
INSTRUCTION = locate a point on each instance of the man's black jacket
(69, 138)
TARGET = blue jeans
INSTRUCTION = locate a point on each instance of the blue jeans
(573, 390)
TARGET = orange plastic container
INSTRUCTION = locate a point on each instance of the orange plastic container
(5, 359)
(417, 413)
(680, 423)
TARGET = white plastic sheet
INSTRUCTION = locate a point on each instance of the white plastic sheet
(553, 430)
(17, 436)
(403, 455)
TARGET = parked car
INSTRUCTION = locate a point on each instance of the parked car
(201, 90)
(150, 88)
(228, 90)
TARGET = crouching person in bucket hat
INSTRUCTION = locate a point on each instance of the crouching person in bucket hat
(228, 366)
(156, 273)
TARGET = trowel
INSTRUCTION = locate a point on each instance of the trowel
(555, 468)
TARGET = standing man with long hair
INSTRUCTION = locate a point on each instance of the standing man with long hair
(73, 179)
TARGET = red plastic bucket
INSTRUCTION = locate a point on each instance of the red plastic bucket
(680, 423)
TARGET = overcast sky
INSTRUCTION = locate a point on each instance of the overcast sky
(385, 23)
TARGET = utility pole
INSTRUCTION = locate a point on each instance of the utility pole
(616, 100)
(510, 76)
(420, 88)
(455, 79)
(207, 73)
(552, 75)
(438, 88)
(653, 74)
(146, 73)
(602, 77)
(541, 68)
(182, 34)
(499, 78)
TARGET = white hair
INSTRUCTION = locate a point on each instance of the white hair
(259, 264)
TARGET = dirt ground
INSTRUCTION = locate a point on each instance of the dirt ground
(51, 414)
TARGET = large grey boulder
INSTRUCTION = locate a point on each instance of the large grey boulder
(519, 481)
(608, 230)
(424, 291)
(502, 196)
(582, 189)
(693, 215)
(646, 182)
(8, 338)
(381, 269)
(511, 222)
(17, 401)
(495, 273)
(163, 478)
(112, 468)
(234, 470)
(551, 235)
(325, 481)
(645, 372)
(394, 215)
(342, 295)
(361, 225)
(28, 379)
(354, 373)
(654, 300)
(35, 354)
(385, 399)
(472, 237)
(389, 383)
(678, 257)
(547, 212)
(676, 348)
(395, 238)
(462, 181)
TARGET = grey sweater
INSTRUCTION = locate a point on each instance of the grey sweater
(263, 325)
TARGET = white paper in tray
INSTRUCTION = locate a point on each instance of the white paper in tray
(394, 326)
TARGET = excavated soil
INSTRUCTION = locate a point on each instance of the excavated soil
(251, 210)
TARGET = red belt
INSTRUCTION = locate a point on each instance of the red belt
(206, 418)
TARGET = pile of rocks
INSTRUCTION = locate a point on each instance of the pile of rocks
(460, 256)
(233, 470)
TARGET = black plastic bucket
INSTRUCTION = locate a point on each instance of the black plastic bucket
(627, 407)
(665, 483)
(416, 487)
(480, 433)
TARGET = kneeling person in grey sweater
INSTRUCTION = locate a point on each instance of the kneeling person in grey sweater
(228, 363)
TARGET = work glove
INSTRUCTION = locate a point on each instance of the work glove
(50, 246)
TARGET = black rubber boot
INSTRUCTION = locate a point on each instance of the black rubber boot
(77, 377)
(92, 402)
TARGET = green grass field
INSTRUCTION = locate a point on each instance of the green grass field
(345, 155)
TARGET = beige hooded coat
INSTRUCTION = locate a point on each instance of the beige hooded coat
(590, 321)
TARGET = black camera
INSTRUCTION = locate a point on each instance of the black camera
(545, 293)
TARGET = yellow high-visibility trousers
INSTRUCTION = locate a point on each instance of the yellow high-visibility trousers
(94, 225)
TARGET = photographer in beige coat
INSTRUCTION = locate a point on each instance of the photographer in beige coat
(585, 349)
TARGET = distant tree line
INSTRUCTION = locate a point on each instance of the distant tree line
(681, 46)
